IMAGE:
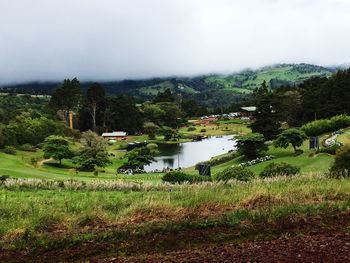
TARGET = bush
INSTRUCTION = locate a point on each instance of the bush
(191, 128)
(10, 150)
(237, 173)
(27, 148)
(180, 177)
(203, 130)
(276, 169)
(318, 127)
(330, 150)
(219, 160)
(341, 165)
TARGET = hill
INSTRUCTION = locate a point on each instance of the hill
(211, 90)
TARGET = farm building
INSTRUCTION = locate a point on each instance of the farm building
(116, 135)
(247, 111)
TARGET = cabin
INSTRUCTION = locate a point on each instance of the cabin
(116, 135)
(247, 112)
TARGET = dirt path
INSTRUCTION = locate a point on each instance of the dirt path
(334, 247)
(40, 163)
(313, 239)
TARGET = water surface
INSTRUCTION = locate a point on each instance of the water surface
(189, 153)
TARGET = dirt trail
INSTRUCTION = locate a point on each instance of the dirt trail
(314, 239)
(334, 247)
(40, 163)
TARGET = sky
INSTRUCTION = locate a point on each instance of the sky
(50, 40)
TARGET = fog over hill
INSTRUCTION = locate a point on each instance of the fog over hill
(212, 89)
(111, 40)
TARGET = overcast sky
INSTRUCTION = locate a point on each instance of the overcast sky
(115, 39)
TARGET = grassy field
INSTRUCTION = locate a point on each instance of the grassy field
(219, 128)
(59, 217)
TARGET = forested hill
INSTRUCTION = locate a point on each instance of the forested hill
(211, 90)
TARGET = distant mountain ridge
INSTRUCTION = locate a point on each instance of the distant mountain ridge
(211, 90)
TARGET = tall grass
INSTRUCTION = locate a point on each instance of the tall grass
(29, 208)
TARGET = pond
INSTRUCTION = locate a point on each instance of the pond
(190, 153)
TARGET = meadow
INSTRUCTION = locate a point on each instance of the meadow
(41, 215)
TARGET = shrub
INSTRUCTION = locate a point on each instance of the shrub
(237, 173)
(318, 127)
(27, 148)
(331, 150)
(203, 130)
(219, 160)
(191, 128)
(276, 169)
(341, 164)
(181, 177)
(10, 150)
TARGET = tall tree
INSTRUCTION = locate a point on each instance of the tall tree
(95, 97)
(267, 117)
(122, 114)
(66, 97)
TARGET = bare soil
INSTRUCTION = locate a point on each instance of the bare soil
(318, 239)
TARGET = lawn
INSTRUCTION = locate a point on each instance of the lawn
(218, 128)
(19, 166)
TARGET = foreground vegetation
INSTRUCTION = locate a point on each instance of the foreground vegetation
(41, 215)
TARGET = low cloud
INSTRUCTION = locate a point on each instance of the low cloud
(118, 39)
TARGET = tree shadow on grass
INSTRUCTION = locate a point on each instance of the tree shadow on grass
(57, 165)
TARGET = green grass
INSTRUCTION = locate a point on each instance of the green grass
(219, 128)
(344, 137)
(308, 161)
(246, 81)
(31, 213)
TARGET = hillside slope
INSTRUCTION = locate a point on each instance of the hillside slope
(211, 90)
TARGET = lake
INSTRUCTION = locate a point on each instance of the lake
(190, 153)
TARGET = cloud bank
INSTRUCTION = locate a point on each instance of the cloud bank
(118, 39)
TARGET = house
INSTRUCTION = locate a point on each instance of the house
(247, 111)
(116, 135)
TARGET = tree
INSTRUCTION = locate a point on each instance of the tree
(66, 97)
(165, 96)
(294, 136)
(95, 97)
(169, 133)
(150, 129)
(2, 138)
(251, 145)
(122, 114)
(93, 152)
(139, 157)
(267, 117)
(57, 147)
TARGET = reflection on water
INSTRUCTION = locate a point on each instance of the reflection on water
(189, 153)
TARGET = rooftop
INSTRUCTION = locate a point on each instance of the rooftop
(114, 134)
